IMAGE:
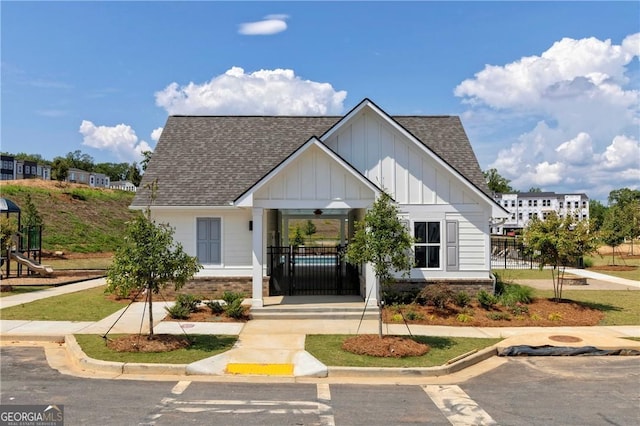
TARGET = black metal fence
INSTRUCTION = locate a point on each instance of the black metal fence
(509, 253)
(310, 271)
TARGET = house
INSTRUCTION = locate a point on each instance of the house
(228, 185)
(123, 185)
(23, 169)
(524, 206)
(94, 180)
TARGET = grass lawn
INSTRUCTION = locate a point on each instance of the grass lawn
(620, 307)
(23, 289)
(328, 349)
(86, 305)
(513, 275)
(89, 263)
(204, 346)
(606, 260)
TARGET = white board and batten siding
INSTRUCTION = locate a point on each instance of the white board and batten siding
(392, 161)
(424, 189)
(313, 180)
(235, 237)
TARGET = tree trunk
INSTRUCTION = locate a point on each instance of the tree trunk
(380, 305)
(150, 312)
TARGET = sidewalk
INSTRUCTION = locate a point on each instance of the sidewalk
(276, 347)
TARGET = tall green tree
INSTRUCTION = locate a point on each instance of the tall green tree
(535, 189)
(60, 169)
(144, 163)
(149, 260)
(496, 182)
(597, 212)
(78, 160)
(133, 174)
(558, 242)
(624, 196)
(382, 240)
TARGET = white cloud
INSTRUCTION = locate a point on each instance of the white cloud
(120, 139)
(586, 107)
(623, 153)
(155, 135)
(271, 24)
(265, 92)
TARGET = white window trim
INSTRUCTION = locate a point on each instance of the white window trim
(440, 244)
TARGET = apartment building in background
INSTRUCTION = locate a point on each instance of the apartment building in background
(524, 206)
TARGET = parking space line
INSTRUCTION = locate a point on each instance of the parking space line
(180, 387)
(457, 406)
(324, 394)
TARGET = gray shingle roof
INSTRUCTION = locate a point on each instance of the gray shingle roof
(211, 160)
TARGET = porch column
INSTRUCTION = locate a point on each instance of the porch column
(256, 297)
(371, 283)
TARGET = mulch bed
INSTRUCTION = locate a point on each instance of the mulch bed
(205, 315)
(542, 313)
(387, 346)
(142, 343)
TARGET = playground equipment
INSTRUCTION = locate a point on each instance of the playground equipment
(26, 245)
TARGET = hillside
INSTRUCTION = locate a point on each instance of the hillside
(77, 218)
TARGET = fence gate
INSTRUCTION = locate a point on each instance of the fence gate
(297, 271)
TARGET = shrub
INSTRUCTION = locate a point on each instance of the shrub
(235, 309)
(230, 297)
(189, 301)
(535, 317)
(462, 317)
(587, 262)
(497, 316)
(438, 295)
(215, 306)
(395, 297)
(486, 300)
(414, 316)
(514, 293)
(555, 316)
(397, 318)
(462, 299)
(178, 311)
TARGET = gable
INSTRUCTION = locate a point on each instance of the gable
(313, 177)
(394, 160)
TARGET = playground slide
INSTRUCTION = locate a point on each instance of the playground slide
(32, 264)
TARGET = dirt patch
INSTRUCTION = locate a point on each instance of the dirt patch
(205, 315)
(140, 343)
(387, 346)
(539, 313)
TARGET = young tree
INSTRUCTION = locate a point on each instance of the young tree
(556, 242)
(615, 227)
(32, 216)
(309, 229)
(298, 239)
(149, 259)
(144, 163)
(382, 240)
(597, 212)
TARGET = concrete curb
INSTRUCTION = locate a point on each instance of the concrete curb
(441, 370)
(31, 338)
(81, 360)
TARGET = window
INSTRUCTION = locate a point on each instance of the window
(427, 245)
(513, 203)
(519, 203)
(576, 204)
(530, 203)
(584, 204)
(209, 242)
(520, 216)
(535, 203)
(561, 204)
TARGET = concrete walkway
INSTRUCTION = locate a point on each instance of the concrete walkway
(276, 347)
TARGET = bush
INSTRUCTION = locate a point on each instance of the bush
(215, 306)
(437, 295)
(189, 301)
(497, 316)
(235, 309)
(462, 299)
(462, 317)
(178, 311)
(414, 316)
(486, 300)
(395, 297)
(514, 293)
(587, 262)
(519, 309)
(230, 297)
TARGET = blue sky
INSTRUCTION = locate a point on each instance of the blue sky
(547, 91)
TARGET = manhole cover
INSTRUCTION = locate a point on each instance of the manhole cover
(565, 338)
